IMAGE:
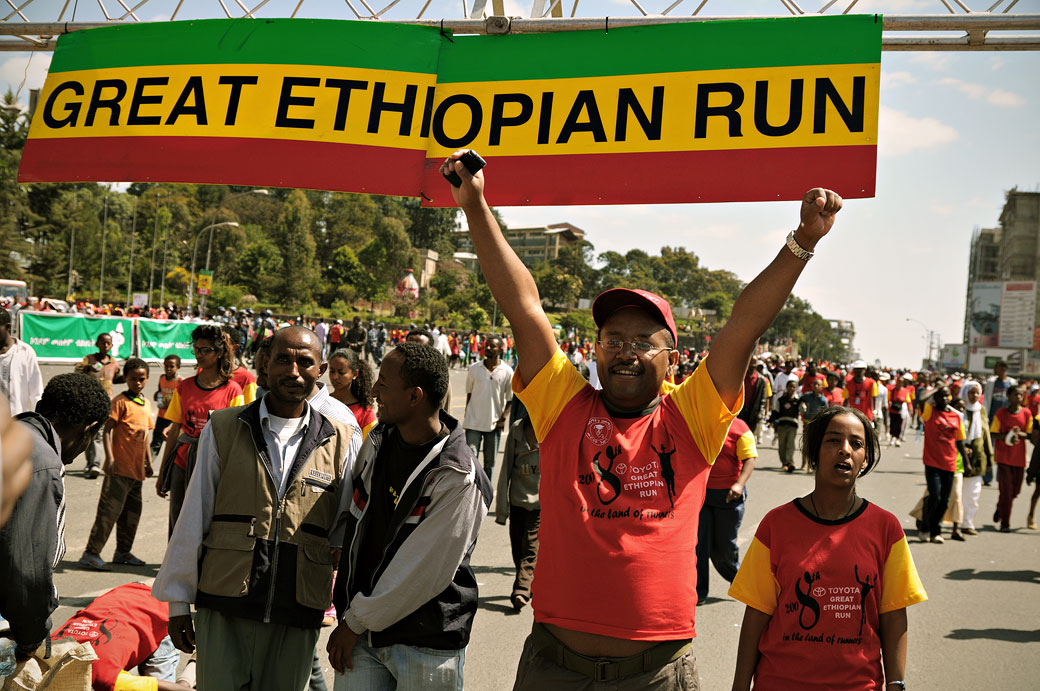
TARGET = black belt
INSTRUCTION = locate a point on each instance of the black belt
(606, 668)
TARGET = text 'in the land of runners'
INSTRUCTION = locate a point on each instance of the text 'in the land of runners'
(696, 112)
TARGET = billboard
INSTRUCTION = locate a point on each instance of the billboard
(1017, 314)
(57, 337)
(981, 360)
(954, 356)
(984, 313)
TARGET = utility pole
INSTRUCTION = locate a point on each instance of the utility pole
(72, 242)
(101, 283)
(130, 273)
(166, 246)
(155, 237)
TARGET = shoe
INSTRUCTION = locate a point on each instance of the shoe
(92, 561)
(126, 558)
(1031, 523)
(1005, 529)
(789, 468)
(92, 472)
(937, 539)
(969, 531)
(519, 601)
(957, 536)
(996, 516)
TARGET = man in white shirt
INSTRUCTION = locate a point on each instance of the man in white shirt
(270, 481)
(20, 379)
(488, 395)
(780, 382)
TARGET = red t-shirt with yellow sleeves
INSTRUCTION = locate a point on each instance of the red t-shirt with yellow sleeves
(739, 446)
(620, 499)
(1004, 422)
(825, 585)
(942, 430)
(860, 395)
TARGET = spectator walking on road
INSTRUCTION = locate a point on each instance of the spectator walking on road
(943, 439)
(723, 509)
(375, 342)
(70, 413)
(758, 397)
(517, 500)
(488, 395)
(264, 579)
(786, 413)
(20, 380)
(812, 403)
(102, 366)
(406, 594)
(356, 336)
(1012, 425)
(860, 390)
(128, 461)
(210, 389)
(829, 541)
(634, 531)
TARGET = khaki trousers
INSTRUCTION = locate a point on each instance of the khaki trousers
(119, 505)
(241, 654)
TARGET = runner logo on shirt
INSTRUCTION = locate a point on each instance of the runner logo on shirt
(838, 602)
(599, 430)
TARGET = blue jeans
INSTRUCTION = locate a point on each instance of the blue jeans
(162, 664)
(717, 537)
(489, 440)
(402, 667)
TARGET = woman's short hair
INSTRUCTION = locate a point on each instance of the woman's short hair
(812, 437)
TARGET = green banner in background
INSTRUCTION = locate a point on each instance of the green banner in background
(158, 338)
(69, 338)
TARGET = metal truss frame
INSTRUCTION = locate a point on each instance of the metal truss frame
(985, 29)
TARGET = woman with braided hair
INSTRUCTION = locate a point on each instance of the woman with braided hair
(212, 388)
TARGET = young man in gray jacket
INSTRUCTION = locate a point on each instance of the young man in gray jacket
(32, 543)
(406, 594)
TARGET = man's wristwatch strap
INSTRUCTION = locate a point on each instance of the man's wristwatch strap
(796, 249)
(897, 684)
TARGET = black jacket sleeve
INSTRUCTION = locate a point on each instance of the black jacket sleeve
(27, 547)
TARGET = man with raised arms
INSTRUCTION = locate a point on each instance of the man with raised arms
(624, 469)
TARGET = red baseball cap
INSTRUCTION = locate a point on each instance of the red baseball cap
(610, 301)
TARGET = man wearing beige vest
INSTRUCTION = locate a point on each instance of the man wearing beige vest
(254, 547)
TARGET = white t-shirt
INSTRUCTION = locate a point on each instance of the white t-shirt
(284, 429)
(489, 393)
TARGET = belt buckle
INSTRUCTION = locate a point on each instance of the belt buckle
(601, 669)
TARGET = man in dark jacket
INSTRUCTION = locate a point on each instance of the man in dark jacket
(406, 594)
(32, 543)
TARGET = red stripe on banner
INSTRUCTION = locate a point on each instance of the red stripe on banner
(669, 177)
(221, 160)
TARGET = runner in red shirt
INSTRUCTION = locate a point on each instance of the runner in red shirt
(943, 439)
(1012, 423)
(860, 390)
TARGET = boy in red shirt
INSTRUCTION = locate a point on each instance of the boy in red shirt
(943, 439)
(1011, 423)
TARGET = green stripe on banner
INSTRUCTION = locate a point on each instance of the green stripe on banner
(837, 40)
(69, 338)
(157, 339)
(375, 45)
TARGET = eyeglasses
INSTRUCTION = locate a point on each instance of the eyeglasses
(203, 350)
(616, 345)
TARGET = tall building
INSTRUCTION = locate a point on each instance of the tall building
(1020, 232)
(983, 265)
(532, 245)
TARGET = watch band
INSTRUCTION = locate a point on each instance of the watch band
(796, 249)
(897, 684)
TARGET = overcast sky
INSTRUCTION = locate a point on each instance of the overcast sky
(957, 130)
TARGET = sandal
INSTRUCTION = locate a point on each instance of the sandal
(127, 558)
(89, 560)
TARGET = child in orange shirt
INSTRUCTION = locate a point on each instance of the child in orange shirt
(128, 461)
(163, 395)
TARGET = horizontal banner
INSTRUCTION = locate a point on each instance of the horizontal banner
(262, 105)
(70, 338)
(159, 338)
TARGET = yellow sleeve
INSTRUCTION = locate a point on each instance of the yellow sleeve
(755, 585)
(367, 429)
(995, 425)
(173, 411)
(129, 682)
(961, 434)
(1029, 425)
(668, 386)
(706, 415)
(900, 585)
(769, 389)
(746, 446)
(874, 389)
(844, 393)
(236, 401)
(549, 392)
(248, 393)
(926, 412)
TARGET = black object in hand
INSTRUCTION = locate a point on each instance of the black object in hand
(473, 162)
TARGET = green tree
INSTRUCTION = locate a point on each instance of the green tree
(556, 286)
(293, 235)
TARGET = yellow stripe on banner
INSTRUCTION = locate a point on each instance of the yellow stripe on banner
(680, 111)
(769, 107)
(297, 102)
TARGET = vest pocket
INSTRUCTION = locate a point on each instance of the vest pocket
(228, 560)
(313, 571)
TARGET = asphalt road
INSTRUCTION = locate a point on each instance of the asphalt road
(980, 627)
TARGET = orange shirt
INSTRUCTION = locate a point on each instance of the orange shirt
(167, 388)
(132, 421)
(620, 498)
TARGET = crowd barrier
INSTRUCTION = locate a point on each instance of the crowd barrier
(58, 337)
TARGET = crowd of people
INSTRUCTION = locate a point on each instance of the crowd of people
(293, 504)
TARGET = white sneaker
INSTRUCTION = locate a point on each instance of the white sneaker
(937, 539)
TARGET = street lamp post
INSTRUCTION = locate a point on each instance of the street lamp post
(72, 242)
(130, 272)
(928, 333)
(101, 282)
(194, 255)
(209, 246)
(155, 243)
